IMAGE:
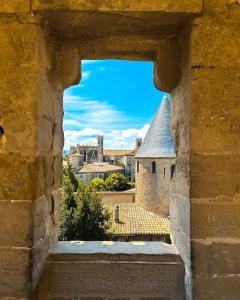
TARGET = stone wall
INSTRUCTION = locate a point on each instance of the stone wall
(30, 154)
(152, 190)
(195, 46)
(205, 123)
(117, 197)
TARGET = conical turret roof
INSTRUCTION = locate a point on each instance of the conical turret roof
(158, 141)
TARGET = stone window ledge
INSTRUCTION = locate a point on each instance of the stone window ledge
(106, 269)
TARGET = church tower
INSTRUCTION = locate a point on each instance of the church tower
(100, 139)
(155, 164)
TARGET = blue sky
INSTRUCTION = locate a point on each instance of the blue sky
(114, 98)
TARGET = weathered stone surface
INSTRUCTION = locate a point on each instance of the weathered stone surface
(216, 256)
(68, 70)
(21, 179)
(216, 287)
(166, 75)
(14, 272)
(194, 6)
(16, 223)
(215, 219)
(115, 274)
(12, 6)
(214, 175)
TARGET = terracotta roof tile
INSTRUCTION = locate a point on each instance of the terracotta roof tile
(136, 220)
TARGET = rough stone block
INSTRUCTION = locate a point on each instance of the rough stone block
(195, 6)
(38, 256)
(41, 219)
(214, 111)
(16, 223)
(217, 287)
(114, 279)
(216, 256)
(15, 273)
(223, 51)
(214, 175)
(13, 6)
(215, 219)
(21, 179)
(20, 133)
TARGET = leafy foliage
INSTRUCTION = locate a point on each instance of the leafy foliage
(116, 182)
(68, 171)
(83, 216)
(98, 184)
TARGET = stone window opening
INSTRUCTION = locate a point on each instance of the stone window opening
(164, 172)
(173, 167)
(99, 68)
(154, 167)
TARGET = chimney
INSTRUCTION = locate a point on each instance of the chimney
(117, 215)
(138, 143)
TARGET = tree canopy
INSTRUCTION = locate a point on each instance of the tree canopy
(116, 182)
(83, 216)
(98, 184)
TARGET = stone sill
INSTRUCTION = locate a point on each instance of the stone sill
(107, 269)
(109, 250)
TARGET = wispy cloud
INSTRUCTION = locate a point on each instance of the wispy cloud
(85, 75)
(83, 113)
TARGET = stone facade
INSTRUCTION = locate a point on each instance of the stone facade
(152, 189)
(195, 46)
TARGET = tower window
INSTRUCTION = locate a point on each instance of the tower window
(153, 167)
(137, 166)
(164, 172)
(172, 170)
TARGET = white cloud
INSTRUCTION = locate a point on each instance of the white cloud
(85, 75)
(85, 118)
(85, 113)
(88, 62)
(114, 139)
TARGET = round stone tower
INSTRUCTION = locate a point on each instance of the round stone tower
(155, 164)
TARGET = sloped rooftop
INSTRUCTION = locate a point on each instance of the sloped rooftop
(135, 220)
(93, 168)
(158, 141)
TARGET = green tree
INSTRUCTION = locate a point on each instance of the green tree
(68, 171)
(117, 182)
(68, 206)
(86, 219)
(98, 184)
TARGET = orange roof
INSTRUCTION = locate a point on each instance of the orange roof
(91, 168)
(111, 152)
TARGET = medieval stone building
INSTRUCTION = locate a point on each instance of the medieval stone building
(195, 48)
(155, 164)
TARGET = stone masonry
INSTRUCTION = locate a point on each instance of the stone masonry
(195, 46)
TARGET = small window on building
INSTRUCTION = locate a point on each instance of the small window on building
(153, 167)
(137, 166)
(164, 172)
(172, 170)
